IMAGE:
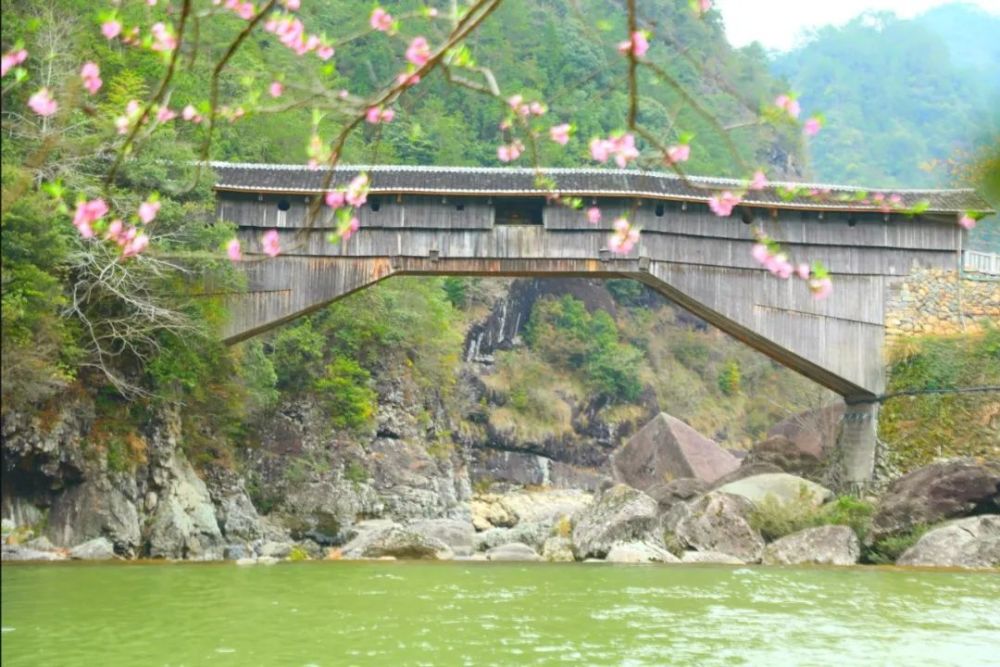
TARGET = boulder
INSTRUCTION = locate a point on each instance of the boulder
(813, 432)
(364, 533)
(235, 552)
(824, 545)
(746, 469)
(95, 508)
(99, 548)
(787, 456)
(403, 543)
(546, 506)
(944, 490)
(488, 511)
(639, 552)
(666, 448)
(973, 542)
(533, 534)
(619, 514)
(515, 551)
(558, 550)
(713, 557)
(719, 522)
(271, 549)
(10, 552)
(668, 494)
(40, 543)
(783, 487)
(456, 534)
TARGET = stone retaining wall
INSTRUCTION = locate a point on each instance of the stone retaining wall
(936, 301)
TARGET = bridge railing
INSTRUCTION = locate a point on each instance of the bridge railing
(981, 262)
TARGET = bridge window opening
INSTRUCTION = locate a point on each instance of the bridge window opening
(459, 207)
(284, 205)
(746, 216)
(519, 211)
(375, 203)
(660, 210)
(852, 221)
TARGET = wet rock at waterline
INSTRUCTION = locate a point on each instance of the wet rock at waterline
(937, 492)
(710, 557)
(399, 542)
(457, 534)
(720, 522)
(824, 545)
(971, 543)
(666, 448)
(639, 552)
(619, 514)
(515, 551)
(99, 548)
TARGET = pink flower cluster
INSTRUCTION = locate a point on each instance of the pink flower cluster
(678, 153)
(270, 243)
(276, 89)
(510, 152)
(812, 126)
(292, 33)
(131, 115)
(91, 75)
(376, 115)
(164, 40)
(778, 264)
(42, 103)
(418, 52)
(111, 28)
(245, 10)
(355, 194)
(593, 215)
(722, 204)
(638, 44)
(702, 6)
(525, 109)
(966, 221)
(560, 133)
(86, 214)
(625, 237)
(380, 20)
(234, 251)
(887, 204)
(12, 59)
(788, 104)
(621, 148)
(758, 182)
(131, 241)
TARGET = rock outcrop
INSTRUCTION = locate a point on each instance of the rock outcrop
(639, 552)
(935, 493)
(973, 542)
(781, 486)
(619, 514)
(515, 551)
(668, 494)
(824, 545)
(398, 542)
(719, 522)
(99, 548)
(665, 449)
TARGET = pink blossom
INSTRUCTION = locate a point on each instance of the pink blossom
(165, 114)
(593, 215)
(276, 89)
(357, 191)
(246, 11)
(812, 126)
(88, 212)
(704, 5)
(821, 287)
(788, 104)
(418, 52)
(42, 103)
(189, 113)
(678, 153)
(233, 250)
(405, 79)
(759, 181)
(148, 211)
(802, 271)
(136, 246)
(638, 44)
(270, 243)
(91, 75)
(292, 5)
(324, 52)
(622, 148)
(560, 133)
(966, 221)
(111, 29)
(151, 3)
(537, 109)
(335, 199)
(620, 225)
(163, 39)
(380, 20)
(722, 204)
(122, 124)
(11, 59)
(352, 227)
(114, 230)
(761, 253)
(600, 149)
(510, 152)
(376, 115)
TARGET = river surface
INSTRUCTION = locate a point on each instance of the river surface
(471, 613)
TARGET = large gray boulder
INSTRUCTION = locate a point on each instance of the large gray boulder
(639, 552)
(935, 493)
(11, 552)
(668, 494)
(666, 448)
(183, 524)
(458, 535)
(824, 545)
(783, 487)
(406, 544)
(99, 548)
(533, 534)
(973, 543)
(515, 551)
(710, 557)
(95, 508)
(720, 522)
(619, 514)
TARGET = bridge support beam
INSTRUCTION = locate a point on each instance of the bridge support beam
(857, 445)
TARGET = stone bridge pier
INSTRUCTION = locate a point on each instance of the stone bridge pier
(498, 222)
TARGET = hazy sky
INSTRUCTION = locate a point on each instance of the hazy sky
(777, 24)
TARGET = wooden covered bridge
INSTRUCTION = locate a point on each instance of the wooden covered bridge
(498, 222)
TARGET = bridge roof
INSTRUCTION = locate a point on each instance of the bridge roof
(515, 182)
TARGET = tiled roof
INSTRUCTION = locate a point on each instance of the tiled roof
(386, 179)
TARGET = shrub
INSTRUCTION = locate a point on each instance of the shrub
(729, 379)
(888, 550)
(775, 519)
(344, 391)
(298, 554)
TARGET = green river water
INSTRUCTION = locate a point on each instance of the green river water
(472, 613)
